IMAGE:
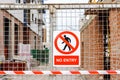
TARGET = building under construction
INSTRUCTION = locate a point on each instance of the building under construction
(101, 45)
(98, 42)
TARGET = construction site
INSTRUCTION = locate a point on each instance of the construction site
(59, 41)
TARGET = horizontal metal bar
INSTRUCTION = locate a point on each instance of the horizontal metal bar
(88, 6)
(23, 6)
(60, 6)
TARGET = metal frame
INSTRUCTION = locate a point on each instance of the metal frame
(61, 6)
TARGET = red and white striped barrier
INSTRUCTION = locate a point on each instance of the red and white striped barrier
(81, 72)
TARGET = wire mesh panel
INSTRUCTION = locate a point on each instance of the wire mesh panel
(28, 40)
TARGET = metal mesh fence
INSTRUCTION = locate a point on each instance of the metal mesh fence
(30, 34)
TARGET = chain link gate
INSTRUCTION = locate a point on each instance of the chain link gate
(27, 41)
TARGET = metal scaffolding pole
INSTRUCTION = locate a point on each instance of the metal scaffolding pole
(61, 6)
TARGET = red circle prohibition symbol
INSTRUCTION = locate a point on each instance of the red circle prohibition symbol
(59, 36)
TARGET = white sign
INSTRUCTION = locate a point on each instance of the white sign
(66, 48)
(24, 52)
(24, 48)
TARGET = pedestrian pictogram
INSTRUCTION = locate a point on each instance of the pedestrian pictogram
(68, 40)
(66, 48)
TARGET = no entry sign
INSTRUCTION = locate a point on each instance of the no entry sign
(66, 48)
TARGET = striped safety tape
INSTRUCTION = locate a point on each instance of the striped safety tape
(82, 72)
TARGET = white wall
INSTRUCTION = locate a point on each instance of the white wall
(17, 13)
(7, 1)
(10, 1)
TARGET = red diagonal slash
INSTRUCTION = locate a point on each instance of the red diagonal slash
(66, 42)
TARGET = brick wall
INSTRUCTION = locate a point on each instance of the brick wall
(13, 21)
(92, 47)
(25, 35)
(114, 23)
(91, 38)
(92, 44)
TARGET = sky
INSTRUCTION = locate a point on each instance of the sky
(66, 19)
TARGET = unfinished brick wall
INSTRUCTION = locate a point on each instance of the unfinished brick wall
(114, 23)
(92, 49)
(92, 42)
(3, 50)
(92, 55)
